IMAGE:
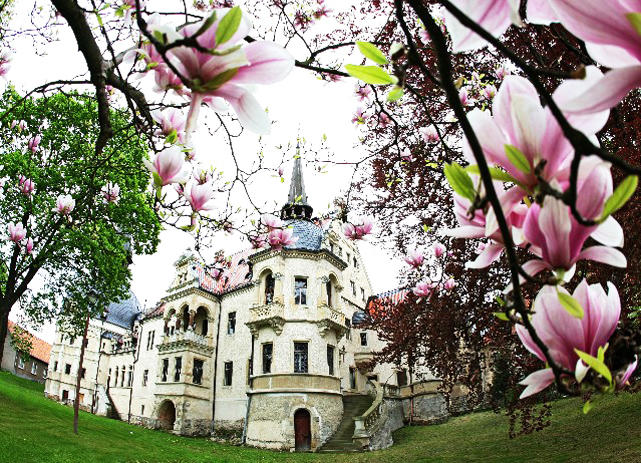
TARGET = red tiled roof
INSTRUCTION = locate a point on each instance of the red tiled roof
(235, 276)
(39, 348)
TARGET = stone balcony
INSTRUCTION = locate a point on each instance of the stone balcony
(331, 319)
(267, 315)
(187, 340)
(295, 382)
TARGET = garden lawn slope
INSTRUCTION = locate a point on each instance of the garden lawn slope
(34, 429)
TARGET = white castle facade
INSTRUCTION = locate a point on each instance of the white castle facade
(272, 348)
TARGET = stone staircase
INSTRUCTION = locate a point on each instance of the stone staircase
(341, 441)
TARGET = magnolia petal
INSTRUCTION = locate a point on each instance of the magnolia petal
(611, 56)
(605, 255)
(536, 382)
(540, 12)
(466, 231)
(606, 93)
(493, 16)
(580, 370)
(555, 225)
(609, 317)
(269, 63)
(487, 257)
(250, 113)
(609, 233)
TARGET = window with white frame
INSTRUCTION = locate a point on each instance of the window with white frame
(34, 368)
(20, 362)
(300, 291)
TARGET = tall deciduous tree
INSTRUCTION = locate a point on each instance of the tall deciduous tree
(76, 215)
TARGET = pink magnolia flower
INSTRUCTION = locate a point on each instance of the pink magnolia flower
(407, 155)
(281, 237)
(502, 72)
(493, 15)
(111, 192)
(519, 120)
(362, 93)
(423, 290)
(224, 70)
(439, 249)
(563, 333)
(429, 134)
(383, 120)
(258, 241)
(180, 188)
(465, 98)
(202, 175)
(5, 62)
(64, 205)
(271, 222)
(168, 167)
(16, 232)
(611, 38)
(26, 185)
(423, 34)
(360, 116)
(489, 91)
(29, 246)
(449, 284)
(34, 143)
(414, 259)
(172, 122)
(281, 171)
(200, 197)
(359, 230)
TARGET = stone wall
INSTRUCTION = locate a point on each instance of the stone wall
(272, 418)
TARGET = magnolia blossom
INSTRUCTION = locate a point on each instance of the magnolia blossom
(489, 91)
(111, 192)
(200, 197)
(360, 230)
(438, 249)
(281, 171)
(34, 143)
(493, 15)
(362, 93)
(563, 333)
(64, 205)
(449, 284)
(520, 122)
(465, 98)
(502, 72)
(5, 60)
(258, 241)
(271, 222)
(172, 124)
(225, 68)
(360, 116)
(16, 232)
(202, 175)
(25, 185)
(424, 35)
(29, 246)
(429, 134)
(423, 290)
(21, 125)
(414, 259)
(383, 120)
(407, 155)
(168, 167)
(281, 237)
(611, 35)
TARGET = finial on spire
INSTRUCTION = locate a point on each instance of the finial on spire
(296, 206)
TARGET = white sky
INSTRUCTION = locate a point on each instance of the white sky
(300, 102)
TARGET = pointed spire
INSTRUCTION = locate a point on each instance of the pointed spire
(296, 206)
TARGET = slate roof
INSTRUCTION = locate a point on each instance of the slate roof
(308, 233)
(39, 348)
(123, 313)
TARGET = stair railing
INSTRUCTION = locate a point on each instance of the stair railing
(366, 425)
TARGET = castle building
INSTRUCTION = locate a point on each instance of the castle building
(272, 347)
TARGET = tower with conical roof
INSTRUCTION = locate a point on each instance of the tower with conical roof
(297, 206)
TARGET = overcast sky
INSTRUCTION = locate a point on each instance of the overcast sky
(299, 103)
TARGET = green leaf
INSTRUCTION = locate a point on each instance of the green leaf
(620, 196)
(228, 25)
(395, 94)
(460, 181)
(372, 52)
(587, 407)
(517, 158)
(596, 364)
(570, 304)
(216, 82)
(635, 20)
(370, 74)
(500, 301)
(501, 316)
(496, 173)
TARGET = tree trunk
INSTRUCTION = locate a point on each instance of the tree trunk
(4, 330)
(76, 402)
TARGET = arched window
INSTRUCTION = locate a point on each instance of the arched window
(269, 288)
(201, 321)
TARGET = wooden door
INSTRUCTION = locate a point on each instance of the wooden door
(302, 430)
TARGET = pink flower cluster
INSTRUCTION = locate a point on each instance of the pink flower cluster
(358, 230)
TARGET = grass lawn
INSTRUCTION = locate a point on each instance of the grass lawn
(34, 429)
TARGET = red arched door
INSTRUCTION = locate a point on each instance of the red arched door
(302, 430)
